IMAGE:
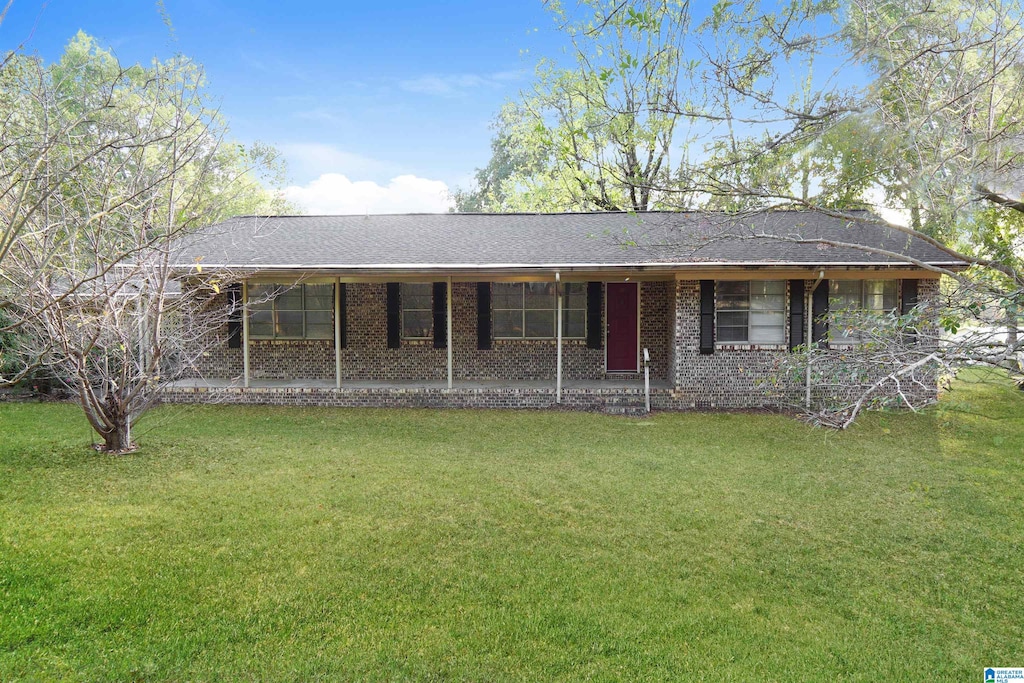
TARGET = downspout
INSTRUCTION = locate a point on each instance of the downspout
(558, 327)
(810, 330)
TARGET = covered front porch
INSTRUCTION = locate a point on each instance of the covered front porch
(545, 336)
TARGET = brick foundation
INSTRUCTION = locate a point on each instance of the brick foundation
(505, 397)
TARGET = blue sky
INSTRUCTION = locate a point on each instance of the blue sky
(373, 91)
(377, 106)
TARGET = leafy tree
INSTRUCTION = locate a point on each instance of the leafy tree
(597, 135)
(492, 181)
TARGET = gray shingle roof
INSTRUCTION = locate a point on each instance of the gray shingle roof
(567, 240)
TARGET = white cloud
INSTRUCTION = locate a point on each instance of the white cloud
(312, 159)
(335, 194)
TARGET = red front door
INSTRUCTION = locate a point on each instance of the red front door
(623, 332)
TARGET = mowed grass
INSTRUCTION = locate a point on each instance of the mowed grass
(317, 544)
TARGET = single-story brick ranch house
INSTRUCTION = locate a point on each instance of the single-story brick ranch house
(532, 310)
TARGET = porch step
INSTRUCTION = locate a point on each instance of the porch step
(631, 405)
(628, 412)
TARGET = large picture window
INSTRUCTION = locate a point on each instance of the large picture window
(753, 312)
(417, 310)
(281, 311)
(527, 310)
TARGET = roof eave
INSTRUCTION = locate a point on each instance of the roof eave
(465, 268)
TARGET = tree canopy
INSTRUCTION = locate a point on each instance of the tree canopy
(597, 135)
(86, 116)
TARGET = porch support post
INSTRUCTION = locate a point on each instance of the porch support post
(558, 342)
(245, 333)
(449, 324)
(337, 333)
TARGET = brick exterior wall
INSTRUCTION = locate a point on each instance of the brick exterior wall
(734, 376)
(729, 377)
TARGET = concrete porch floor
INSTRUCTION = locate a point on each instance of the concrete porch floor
(405, 385)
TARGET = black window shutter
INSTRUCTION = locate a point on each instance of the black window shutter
(595, 338)
(394, 315)
(909, 296)
(707, 317)
(796, 313)
(483, 316)
(440, 315)
(819, 311)
(907, 305)
(235, 316)
(343, 314)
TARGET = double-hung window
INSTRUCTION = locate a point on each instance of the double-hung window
(752, 312)
(417, 310)
(282, 311)
(869, 296)
(527, 310)
(874, 296)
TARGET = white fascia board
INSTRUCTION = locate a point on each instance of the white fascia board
(470, 267)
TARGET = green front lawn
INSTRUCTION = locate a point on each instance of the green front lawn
(302, 544)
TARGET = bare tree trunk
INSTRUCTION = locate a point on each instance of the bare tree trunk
(915, 215)
(805, 179)
(118, 438)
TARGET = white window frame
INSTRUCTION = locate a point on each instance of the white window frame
(746, 306)
(566, 310)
